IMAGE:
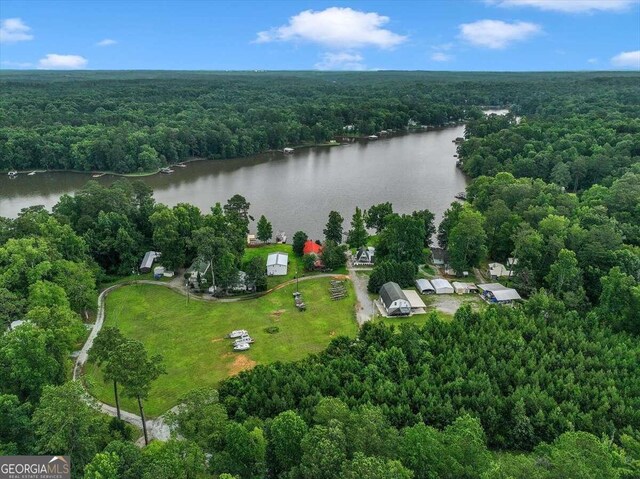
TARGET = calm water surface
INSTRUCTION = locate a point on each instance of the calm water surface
(297, 191)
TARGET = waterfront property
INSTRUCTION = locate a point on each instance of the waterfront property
(311, 247)
(439, 256)
(394, 300)
(277, 264)
(197, 272)
(365, 256)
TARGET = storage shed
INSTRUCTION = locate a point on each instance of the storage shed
(464, 288)
(424, 286)
(147, 261)
(277, 264)
(394, 301)
(497, 293)
(442, 286)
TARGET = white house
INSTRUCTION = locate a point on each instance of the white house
(498, 270)
(277, 264)
(442, 286)
(424, 286)
(394, 301)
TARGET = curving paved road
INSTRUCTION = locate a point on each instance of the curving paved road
(156, 428)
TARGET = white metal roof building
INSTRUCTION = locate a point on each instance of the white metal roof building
(498, 293)
(147, 261)
(277, 264)
(424, 286)
(442, 286)
(414, 300)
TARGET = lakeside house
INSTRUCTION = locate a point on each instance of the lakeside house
(496, 293)
(198, 271)
(364, 256)
(311, 247)
(277, 264)
(439, 256)
(425, 286)
(442, 286)
(394, 300)
(147, 261)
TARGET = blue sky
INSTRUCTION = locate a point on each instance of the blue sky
(494, 35)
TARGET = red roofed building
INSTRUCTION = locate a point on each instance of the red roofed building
(311, 247)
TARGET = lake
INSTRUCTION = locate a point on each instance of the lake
(295, 191)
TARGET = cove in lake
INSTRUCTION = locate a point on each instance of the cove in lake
(296, 191)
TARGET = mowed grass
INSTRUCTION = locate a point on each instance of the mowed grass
(295, 263)
(191, 337)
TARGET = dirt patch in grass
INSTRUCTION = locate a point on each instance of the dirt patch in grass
(332, 334)
(278, 312)
(217, 340)
(241, 363)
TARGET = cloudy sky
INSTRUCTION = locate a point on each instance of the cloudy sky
(492, 35)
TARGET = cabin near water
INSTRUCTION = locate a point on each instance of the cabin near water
(277, 264)
(364, 256)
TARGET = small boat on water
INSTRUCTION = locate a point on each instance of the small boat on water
(372, 137)
(12, 174)
(281, 237)
(287, 151)
(166, 171)
(461, 196)
(181, 165)
(97, 175)
(31, 174)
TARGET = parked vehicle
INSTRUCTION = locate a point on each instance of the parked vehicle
(241, 346)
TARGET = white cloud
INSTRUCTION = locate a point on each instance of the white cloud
(592, 60)
(14, 30)
(340, 61)
(567, 6)
(107, 42)
(335, 27)
(53, 61)
(627, 60)
(441, 57)
(11, 64)
(496, 33)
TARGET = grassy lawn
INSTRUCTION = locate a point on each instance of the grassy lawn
(191, 336)
(295, 263)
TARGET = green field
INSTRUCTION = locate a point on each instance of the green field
(191, 336)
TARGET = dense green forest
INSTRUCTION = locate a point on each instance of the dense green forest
(138, 121)
(548, 389)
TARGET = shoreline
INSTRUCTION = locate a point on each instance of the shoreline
(194, 159)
